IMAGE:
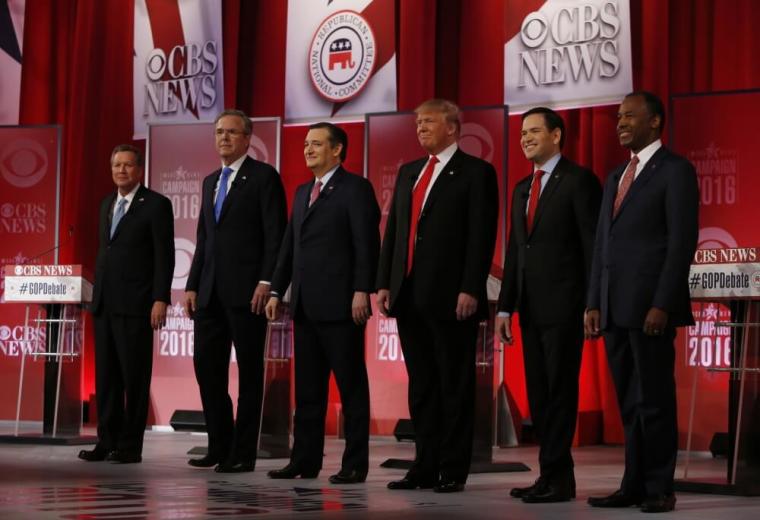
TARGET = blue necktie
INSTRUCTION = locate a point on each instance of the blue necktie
(221, 194)
(117, 215)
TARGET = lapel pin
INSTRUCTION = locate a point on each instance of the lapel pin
(141, 199)
(451, 172)
(244, 177)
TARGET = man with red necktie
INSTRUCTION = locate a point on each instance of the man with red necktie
(639, 294)
(553, 218)
(434, 262)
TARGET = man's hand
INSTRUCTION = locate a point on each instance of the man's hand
(360, 308)
(383, 299)
(591, 323)
(260, 296)
(655, 322)
(158, 315)
(466, 306)
(272, 307)
(189, 303)
(504, 329)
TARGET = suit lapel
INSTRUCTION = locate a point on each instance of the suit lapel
(551, 187)
(641, 181)
(241, 178)
(448, 173)
(325, 193)
(134, 208)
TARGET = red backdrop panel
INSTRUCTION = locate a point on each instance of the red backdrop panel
(708, 130)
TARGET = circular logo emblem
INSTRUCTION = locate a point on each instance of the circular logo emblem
(475, 140)
(342, 56)
(23, 163)
(6, 210)
(756, 278)
(183, 258)
(5, 333)
(19, 269)
(258, 149)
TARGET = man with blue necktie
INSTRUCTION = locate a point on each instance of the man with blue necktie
(133, 277)
(240, 226)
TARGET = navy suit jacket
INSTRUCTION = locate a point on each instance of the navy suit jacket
(546, 272)
(234, 254)
(135, 267)
(455, 240)
(642, 256)
(330, 249)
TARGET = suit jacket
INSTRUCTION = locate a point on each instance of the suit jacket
(330, 249)
(134, 269)
(456, 233)
(546, 272)
(642, 256)
(233, 255)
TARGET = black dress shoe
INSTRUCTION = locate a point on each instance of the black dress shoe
(448, 486)
(411, 482)
(520, 492)
(548, 493)
(348, 477)
(94, 455)
(292, 471)
(235, 467)
(124, 457)
(204, 462)
(659, 503)
(617, 499)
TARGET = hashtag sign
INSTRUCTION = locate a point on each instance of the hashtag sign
(22, 289)
(694, 282)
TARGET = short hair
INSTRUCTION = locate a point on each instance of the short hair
(552, 120)
(449, 110)
(129, 148)
(654, 105)
(247, 125)
(336, 136)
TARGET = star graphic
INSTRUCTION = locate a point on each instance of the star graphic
(178, 310)
(8, 39)
(19, 258)
(712, 151)
(181, 173)
(711, 312)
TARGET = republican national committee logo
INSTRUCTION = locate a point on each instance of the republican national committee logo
(342, 56)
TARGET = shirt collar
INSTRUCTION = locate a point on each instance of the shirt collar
(647, 152)
(327, 176)
(548, 166)
(446, 154)
(129, 196)
(235, 166)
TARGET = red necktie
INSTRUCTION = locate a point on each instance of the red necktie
(418, 198)
(535, 193)
(625, 185)
(314, 192)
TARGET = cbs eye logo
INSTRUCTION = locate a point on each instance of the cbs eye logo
(258, 149)
(477, 141)
(183, 259)
(23, 163)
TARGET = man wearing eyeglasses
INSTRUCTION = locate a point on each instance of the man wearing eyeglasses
(240, 226)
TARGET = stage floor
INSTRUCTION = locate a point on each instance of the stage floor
(49, 482)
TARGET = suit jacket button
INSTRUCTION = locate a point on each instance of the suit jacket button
(527, 246)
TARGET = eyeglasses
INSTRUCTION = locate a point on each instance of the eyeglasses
(227, 132)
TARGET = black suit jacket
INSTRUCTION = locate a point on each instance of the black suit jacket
(546, 272)
(456, 233)
(233, 255)
(642, 256)
(330, 249)
(134, 269)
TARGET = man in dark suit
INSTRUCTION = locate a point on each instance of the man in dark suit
(639, 294)
(133, 277)
(434, 262)
(553, 218)
(329, 254)
(240, 226)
